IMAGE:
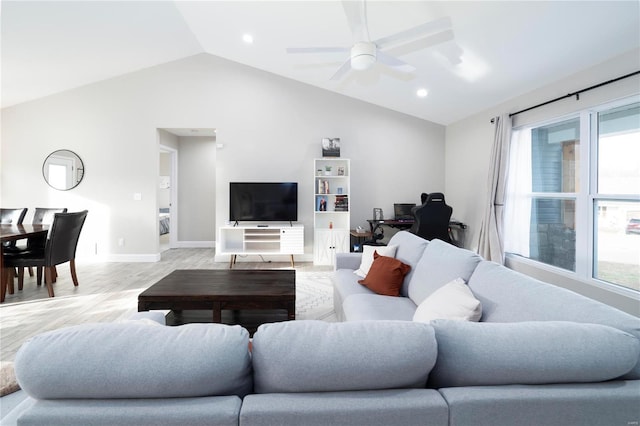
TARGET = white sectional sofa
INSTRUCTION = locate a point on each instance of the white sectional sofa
(539, 355)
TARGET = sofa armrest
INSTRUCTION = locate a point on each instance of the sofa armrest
(348, 260)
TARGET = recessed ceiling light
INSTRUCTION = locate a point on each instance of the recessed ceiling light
(247, 38)
(421, 93)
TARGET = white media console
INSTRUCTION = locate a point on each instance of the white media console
(261, 240)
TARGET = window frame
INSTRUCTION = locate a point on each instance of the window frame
(586, 198)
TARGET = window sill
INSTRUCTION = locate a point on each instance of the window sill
(621, 298)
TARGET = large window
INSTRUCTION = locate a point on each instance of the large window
(574, 194)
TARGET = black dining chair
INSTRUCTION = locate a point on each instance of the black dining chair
(11, 217)
(41, 216)
(60, 247)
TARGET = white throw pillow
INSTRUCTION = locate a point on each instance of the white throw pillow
(367, 257)
(453, 301)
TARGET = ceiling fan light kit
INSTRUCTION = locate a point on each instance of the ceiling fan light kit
(363, 55)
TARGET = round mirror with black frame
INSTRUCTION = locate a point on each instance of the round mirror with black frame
(63, 169)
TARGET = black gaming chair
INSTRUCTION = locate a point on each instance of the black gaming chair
(432, 218)
(423, 199)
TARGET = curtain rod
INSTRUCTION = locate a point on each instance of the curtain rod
(576, 94)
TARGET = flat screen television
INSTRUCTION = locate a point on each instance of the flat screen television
(263, 201)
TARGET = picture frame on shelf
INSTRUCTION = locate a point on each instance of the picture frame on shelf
(322, 204)
(340, 171)
(331, 147)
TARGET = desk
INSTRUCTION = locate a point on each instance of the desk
(406, 224)
(400, 224)
(13, 233)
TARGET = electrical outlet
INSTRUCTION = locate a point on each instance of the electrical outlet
(120, 242)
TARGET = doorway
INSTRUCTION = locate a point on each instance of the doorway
(188, 168)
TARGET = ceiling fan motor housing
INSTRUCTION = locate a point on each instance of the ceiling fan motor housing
(363, 55)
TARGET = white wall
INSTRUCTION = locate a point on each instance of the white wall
(469, 143)
(271, 128)
(197, 191)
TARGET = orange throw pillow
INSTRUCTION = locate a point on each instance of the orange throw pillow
(385, 275)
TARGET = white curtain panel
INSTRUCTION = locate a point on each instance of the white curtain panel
(491, 241)
(517, 213)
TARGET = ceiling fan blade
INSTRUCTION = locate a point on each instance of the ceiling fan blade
(421, 43)
(317, 49)
(430, 27)
(356, 12)
(344, 68)
(395, 63)
(453, 52)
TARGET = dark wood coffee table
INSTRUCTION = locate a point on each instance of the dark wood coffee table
(247, 297)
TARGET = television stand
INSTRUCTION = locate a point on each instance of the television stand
(260, 240)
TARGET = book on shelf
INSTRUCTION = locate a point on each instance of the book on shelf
(341, 203)
(323, 187)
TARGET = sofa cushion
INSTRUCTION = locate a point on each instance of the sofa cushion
(409, 251)
(566, 404)
(453, 301)
(510, 296)
(367, 307)
(300, 356)
(386, 275)
(476, 354)
(136, 360)
(198, 411)
(388, 407)
(440, 264)
(367, 257)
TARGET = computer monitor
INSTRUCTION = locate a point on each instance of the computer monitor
(402, 211)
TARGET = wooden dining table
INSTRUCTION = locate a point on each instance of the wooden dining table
(14, 233)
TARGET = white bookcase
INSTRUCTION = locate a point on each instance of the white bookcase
(331, 216)
(261, 240)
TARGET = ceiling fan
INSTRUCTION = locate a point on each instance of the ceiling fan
(364, 53)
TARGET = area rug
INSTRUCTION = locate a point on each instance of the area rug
(8, 382)
(314, 296)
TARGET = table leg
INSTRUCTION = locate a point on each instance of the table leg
(3, 284)
(291, 311)
(3, 276)
(292, 262)
(217, 312)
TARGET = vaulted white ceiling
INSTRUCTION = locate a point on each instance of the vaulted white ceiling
(508, 47)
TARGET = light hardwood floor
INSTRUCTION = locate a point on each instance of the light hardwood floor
(107, 292)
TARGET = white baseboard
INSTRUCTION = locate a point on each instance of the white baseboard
(194, 244)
